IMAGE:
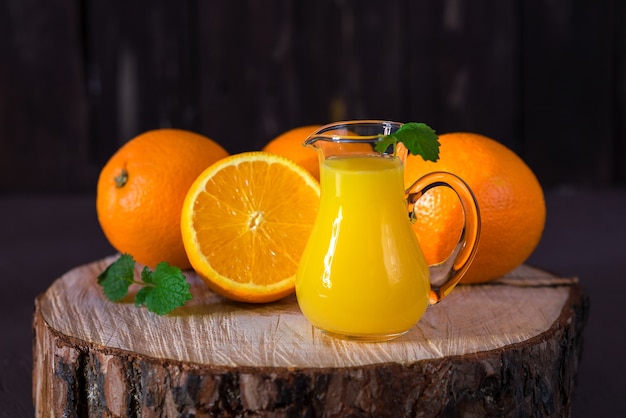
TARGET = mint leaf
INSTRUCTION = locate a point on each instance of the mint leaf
(117, 277)
(146, 277)
(167, 289)
(163, 289)
(418, 138)
(386, 142)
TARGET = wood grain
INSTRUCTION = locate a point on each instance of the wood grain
(528, 323)
(212, 330)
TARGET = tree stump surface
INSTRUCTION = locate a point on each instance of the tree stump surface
(507, 348)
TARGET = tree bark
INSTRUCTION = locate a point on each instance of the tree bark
(507, 348)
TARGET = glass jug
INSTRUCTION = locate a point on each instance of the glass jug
(362, 275)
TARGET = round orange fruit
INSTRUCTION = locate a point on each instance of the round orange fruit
(141, 191)
(289, 144)
(509, 196)
(245, 222)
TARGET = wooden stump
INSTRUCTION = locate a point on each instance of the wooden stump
(508, 348)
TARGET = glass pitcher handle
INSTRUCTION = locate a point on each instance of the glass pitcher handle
(446, 275)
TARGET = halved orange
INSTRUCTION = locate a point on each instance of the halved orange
(245, 222)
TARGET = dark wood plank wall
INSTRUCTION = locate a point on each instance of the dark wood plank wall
(79, 78)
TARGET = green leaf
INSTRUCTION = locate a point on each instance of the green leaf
(167, 290)
(146, 275)
(117, 277)
(386, 142)
(140, 297)
(162, 291)
(418, 138)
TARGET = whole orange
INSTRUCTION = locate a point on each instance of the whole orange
(141, 191)
(509, 196)
(289, 144)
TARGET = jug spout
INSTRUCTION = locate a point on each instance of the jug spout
(350, 137)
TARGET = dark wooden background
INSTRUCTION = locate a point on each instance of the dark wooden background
(78, 78)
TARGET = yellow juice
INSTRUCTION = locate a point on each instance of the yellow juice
(362, 273)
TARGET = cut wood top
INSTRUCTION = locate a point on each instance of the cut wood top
(212, 330)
